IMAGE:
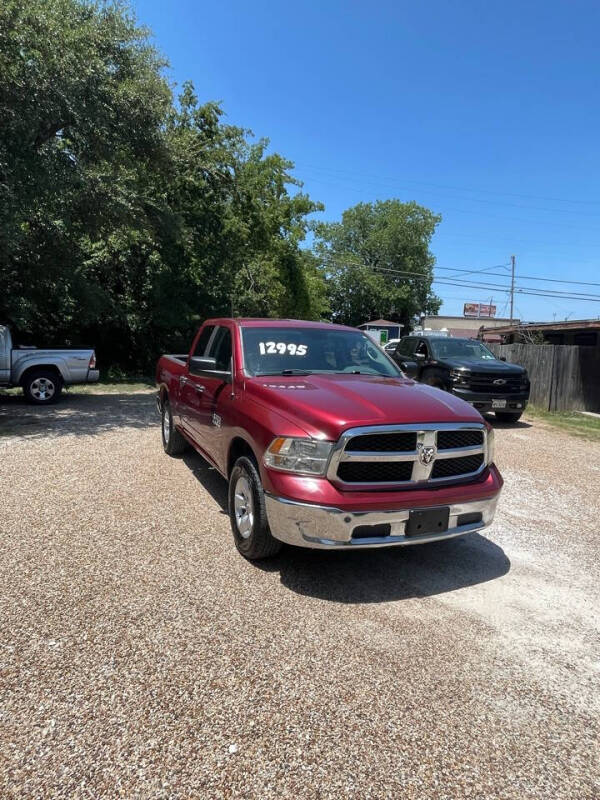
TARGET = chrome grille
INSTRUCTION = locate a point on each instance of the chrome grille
(396, 456)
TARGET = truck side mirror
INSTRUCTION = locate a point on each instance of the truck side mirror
(199, 364)
(409, 368)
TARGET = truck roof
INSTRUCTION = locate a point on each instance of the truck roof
(266, 322)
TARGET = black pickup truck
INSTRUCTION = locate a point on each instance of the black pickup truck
(469, 370)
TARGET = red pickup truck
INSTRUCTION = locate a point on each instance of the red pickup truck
(324, 441)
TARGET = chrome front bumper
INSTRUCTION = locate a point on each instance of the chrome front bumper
(329, 528)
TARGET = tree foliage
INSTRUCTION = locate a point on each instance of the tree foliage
(127, 216)
(377, 262)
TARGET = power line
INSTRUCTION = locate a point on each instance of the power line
(359, 190)
(358, 262)
(527, 290)
(512, 287)
(446, 187)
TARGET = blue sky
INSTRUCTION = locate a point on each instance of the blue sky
(487, 113)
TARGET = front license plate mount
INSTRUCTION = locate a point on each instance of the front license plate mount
(423, 521)
(499, 403)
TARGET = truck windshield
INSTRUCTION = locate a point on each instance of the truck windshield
(461, 348)
(297, 351)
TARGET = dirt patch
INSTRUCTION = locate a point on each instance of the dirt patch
(141, 656)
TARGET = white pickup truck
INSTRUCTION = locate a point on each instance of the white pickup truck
(43, 373)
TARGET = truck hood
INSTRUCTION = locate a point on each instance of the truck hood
(324, 405)
(487, 365)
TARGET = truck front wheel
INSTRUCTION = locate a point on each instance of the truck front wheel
(42, 387)
(247, 512)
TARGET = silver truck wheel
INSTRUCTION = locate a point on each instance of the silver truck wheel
(166, 426)
(247, 512)
(244, 507)
(173, 442)
(42, 387)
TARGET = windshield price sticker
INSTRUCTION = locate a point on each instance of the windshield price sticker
(281, 348)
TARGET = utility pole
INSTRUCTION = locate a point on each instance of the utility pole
(512, 288)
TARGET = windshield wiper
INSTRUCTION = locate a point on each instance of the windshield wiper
(284, 372)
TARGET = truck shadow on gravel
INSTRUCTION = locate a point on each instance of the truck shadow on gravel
(76, 414)
(372, 576)
(397, 573)
(496, 423)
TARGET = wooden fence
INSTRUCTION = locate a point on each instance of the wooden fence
(563, 377)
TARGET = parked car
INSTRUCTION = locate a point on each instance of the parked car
(324, 442)
(467, 369)
(42, 373)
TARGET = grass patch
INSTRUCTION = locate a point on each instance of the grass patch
(106, 386)
(109, 386)
(570, 421)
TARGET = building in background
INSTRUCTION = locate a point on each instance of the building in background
(467, 327)
(393, 329)
(583, 332)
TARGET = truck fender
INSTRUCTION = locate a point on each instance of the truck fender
(42, 362)
(241, 445)
(162, 393)
(433, 376)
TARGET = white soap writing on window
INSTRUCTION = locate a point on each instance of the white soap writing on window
(281, 348)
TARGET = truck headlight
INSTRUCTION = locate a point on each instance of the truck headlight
(457, 375)
(304, 456)
(489, 446)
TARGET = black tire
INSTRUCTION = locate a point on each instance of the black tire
(508, 416)
(173, 442)
(42, 387)
(257, 542)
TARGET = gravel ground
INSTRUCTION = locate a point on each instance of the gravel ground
(141, 656)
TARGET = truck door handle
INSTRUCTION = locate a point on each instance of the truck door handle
(183, 381)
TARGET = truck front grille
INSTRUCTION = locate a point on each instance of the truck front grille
(480, 382)
(449, 467)
(385, 442)
(446, 440)
(389, 457)
(378, 472)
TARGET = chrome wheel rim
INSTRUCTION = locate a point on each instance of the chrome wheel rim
(42, 388)
(243, 507)
(166, 422)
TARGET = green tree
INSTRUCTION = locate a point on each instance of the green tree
(378, 263)
(126, 217)
(82, 102)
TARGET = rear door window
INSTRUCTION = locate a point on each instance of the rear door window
(203, 340)
(220, 349)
